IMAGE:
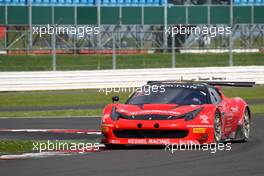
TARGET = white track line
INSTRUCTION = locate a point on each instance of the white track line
(43, 154)
(32, 155)
(70, 131)
(47, 154)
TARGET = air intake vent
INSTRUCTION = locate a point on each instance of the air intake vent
(150, 133)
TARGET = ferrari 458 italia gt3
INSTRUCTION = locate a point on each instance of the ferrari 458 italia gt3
(163, 112)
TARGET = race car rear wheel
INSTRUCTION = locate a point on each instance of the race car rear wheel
(246, 126)
(217, 127)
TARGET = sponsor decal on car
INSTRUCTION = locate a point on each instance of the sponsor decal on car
(148, 141)
(234, 109)
(105, 129)
(142, 112)
(198, 130)
(200, 126)
(204, 119)
(114, 141)
(237, 99)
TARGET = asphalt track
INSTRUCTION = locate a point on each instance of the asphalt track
(51, 108)
(47, 136)
(244, 159)
(44, 123)
(51, 123)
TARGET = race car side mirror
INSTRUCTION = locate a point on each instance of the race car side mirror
(218, 88)
(115, 98)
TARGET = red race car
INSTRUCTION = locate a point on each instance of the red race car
(171, 112)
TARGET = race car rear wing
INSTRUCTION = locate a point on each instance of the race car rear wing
(213, 83)
(232, 84)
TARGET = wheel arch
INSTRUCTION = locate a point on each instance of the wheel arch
(217, 111)
(241, 117)
(249, 112)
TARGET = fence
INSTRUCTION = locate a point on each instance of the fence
(129, 29)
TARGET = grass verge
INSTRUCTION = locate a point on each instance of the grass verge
(52, 114)
(28, 146)
(93, 62)
(14, 147)
(56, 98)
(257, 109)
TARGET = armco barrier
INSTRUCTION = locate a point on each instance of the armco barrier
(59, 80)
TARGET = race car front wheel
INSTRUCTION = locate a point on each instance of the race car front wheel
(243, 130)
(217, 127)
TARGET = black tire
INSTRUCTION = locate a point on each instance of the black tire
(245, 129)
(114, 146)
(217, 127)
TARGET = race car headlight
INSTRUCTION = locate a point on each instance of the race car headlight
(191, 115)
(114, 114)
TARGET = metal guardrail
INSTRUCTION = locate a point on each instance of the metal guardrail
(61, 80)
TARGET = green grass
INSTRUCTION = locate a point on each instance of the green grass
(52, 114)
(56, 98)
(26, 146)
(90, 97)
(246, 93)
(92, 62)
(10, 146)
(257, 109)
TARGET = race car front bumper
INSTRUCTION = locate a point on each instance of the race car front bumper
(156, 132)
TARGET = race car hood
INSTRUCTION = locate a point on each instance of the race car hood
(157, 109)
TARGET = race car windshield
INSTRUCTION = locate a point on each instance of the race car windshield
(182, 96)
